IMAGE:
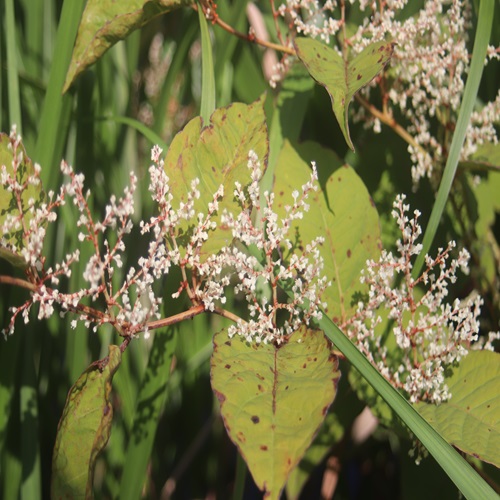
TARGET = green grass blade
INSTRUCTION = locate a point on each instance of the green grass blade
(239, 481)
(459, 471)
(483, 32)
(152, 396)
(176, 67)
(31, 485)
(149, 134)
(12, 73)
(56, 106)
(207, 72)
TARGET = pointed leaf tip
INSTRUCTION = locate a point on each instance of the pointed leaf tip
(263, 389)
(342, 78)
(105, 22)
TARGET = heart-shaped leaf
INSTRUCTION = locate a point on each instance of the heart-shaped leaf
(342, 212)
(217, 154)
(273, 399)
(340, 77)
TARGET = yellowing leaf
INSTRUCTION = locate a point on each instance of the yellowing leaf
(84, 429)
(105, 22)
(273, 399)
(342, 78)
(470, 420)
(342, 212)
(217, 153)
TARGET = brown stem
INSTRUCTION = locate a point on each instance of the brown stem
(388, 120)
(9, 280)
(249, 38)
(226, 314)
(176, 318)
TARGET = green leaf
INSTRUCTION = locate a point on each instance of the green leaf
(13, 242)
(338, 421)
(105, 22)
(486, 157)
(342, 212)
(340, 77)
(217, 154)
(460, 472)
(470, 420)
(150, 401)
(84, 429)
(273, 399)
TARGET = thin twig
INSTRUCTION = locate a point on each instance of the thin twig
(215, 19)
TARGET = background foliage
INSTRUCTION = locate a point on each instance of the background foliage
(167, 437)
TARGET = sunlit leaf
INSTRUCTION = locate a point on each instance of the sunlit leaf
(470, 420)
(13, 242)
(84, 429)
(342, 78)
(486, 157)
(105, 22)
(273, 399)
(342, 212)
(217, 153)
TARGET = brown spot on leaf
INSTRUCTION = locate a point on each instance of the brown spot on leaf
(219, 396)
(255, 419)
(359, 76)
(241, 437)
(304, 365)
(349, 253)
(261, 389)
(227, 367)
(213, 169)
(263, 447)
(228, 343)
(324, 411)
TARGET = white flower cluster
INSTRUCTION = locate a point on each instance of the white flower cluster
(429, 333)
(428, 68)
(426, 72)
(135, 304)
(312, 18)
(276, 261)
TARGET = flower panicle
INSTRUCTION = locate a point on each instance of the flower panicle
(134, 303)
(430, 332)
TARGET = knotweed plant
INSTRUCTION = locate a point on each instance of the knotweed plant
(425, 80)
(134, 306)
(430, 334)
(261, 262)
